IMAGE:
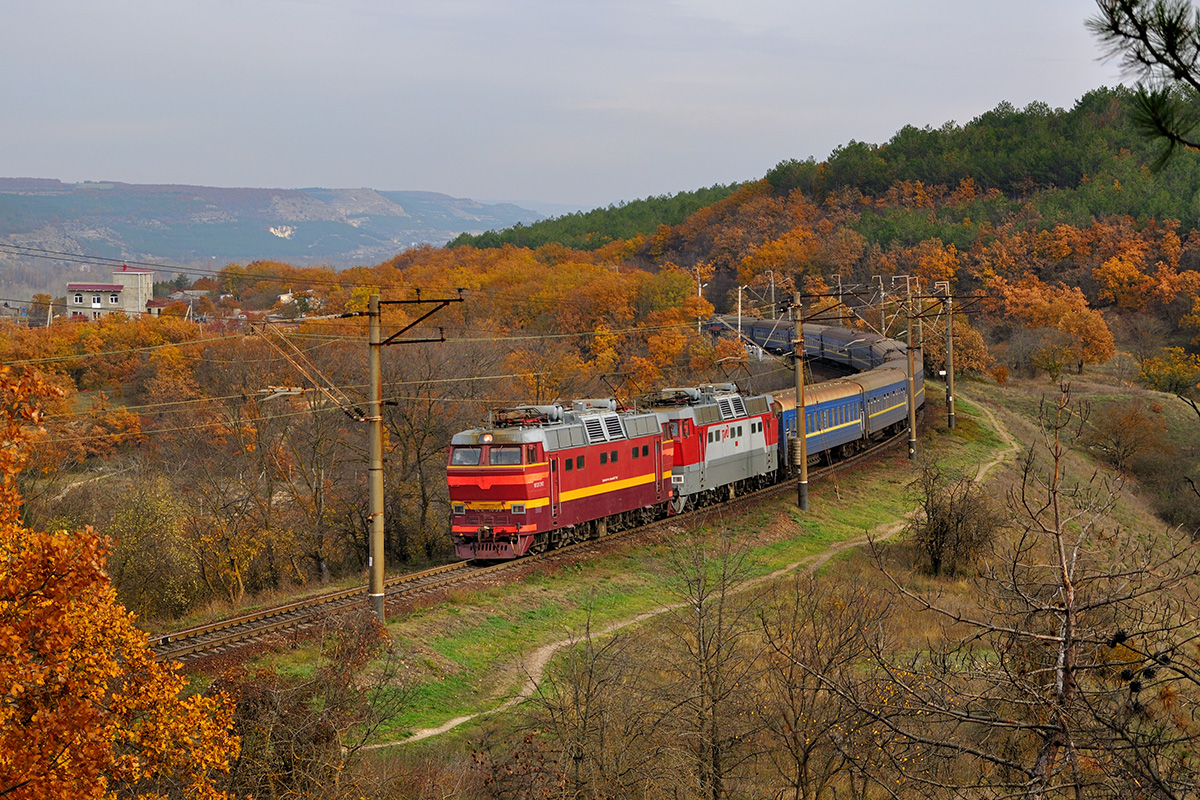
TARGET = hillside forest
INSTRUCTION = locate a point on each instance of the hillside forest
(169, 429)
(213, 474)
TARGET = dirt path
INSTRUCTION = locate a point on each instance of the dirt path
(534, 665)
(1011, 450)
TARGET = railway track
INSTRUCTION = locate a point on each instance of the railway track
(294, 618)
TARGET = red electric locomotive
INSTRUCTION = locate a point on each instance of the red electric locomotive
(537, 477)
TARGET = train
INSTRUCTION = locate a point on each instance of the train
(538, 477)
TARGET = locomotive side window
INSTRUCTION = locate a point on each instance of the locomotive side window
(613, 456)
(466, 456)
(603, 458)
(504, 456)
(531, 454)
(579, 462)
(570, 463)
(645, 451)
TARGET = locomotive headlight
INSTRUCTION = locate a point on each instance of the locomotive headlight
(485, 439)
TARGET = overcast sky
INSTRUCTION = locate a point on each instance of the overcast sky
(581, 102)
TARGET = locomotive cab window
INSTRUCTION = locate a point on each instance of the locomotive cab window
(531, 454)
(504, 456)
(645, 451)
(465, 456)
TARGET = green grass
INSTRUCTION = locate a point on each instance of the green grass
(462, 656)
(482, 632)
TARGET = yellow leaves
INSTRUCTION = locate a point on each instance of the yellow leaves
(936, 262)
(85, 710)
(790, 254)
(1123, 280)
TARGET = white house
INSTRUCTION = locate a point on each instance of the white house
(130, 290)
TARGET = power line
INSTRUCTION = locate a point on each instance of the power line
(179, 406)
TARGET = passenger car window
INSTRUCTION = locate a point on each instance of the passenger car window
(465, 456)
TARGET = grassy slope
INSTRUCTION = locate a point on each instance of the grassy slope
(465, 656)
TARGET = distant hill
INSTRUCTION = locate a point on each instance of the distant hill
(202, 225)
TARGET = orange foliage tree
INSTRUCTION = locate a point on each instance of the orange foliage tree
(85, 709)
(1084, 337)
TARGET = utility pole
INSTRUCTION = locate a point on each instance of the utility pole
(375, 345)
(801, 411)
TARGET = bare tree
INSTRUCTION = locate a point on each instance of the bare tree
(1073, 675)
(957, 520)
(708, 664)
(594, 704)
(300, 736)
(813, 631)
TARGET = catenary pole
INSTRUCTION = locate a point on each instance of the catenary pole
(375, 469)
(801, 412)
(912, 398)
(949, 359)
(375, 344)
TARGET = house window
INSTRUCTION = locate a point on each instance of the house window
(113, 299)
(95, 299)
(79, 298)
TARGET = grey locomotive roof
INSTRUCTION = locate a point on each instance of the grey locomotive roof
(576, 429)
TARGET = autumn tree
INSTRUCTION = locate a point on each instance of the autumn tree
(1172, 370)
(970, 351)
(85, 708)
(1123, 431)
(1080, 335)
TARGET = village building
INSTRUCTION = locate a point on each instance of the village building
(128, 293)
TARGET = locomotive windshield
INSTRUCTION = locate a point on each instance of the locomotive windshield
(465, 456)
(504, 456)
